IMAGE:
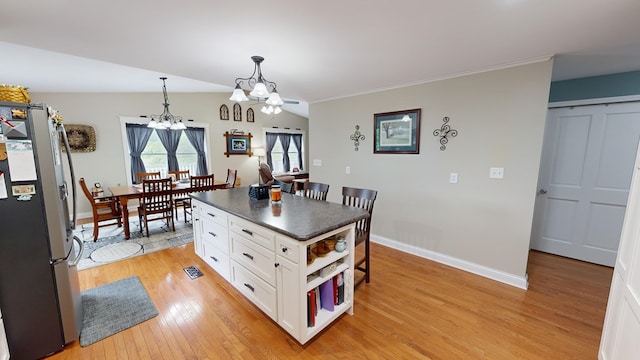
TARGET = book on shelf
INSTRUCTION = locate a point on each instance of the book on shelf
(311, 308)
(339, 280)
(326, 295)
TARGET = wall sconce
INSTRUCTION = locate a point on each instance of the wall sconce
(444, 132)
(356, 137)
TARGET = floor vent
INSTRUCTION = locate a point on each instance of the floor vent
(193, 272)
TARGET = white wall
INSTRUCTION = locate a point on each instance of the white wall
(103, 110)
(480, 224)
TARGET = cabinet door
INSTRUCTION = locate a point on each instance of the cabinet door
(289, 296)
(197, 229)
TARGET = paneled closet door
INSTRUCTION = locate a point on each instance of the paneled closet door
(622, 320)
(585, 172)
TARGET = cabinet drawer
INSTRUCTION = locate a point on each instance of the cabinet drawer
(257, 291)
(218, 260)
(209, 213)
(255, 258)
(257, 234)
(217, 234)
(287, 249)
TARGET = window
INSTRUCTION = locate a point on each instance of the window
(147, 153)
(154, 155)
(277, 152)
(277, 157)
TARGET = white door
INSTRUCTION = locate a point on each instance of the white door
(621, 329)
(585, 172)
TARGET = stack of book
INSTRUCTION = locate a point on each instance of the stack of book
(325, 297)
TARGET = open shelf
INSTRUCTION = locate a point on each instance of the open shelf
(323, 261)
(316, 280)
(324, 317)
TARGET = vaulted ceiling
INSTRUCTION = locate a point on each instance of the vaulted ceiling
(313, 50)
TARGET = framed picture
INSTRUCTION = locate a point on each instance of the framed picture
(238, 144)
(224, 112)
(82, 138)
(397, 132)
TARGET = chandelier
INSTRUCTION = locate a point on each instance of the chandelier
(166, 120)
(260, 89)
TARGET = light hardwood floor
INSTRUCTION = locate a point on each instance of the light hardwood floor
(412, 309)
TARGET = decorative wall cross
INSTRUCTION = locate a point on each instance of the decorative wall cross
(444, 132)
(356, 137)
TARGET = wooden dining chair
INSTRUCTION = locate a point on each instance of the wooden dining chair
(156, 203)
(364, 199)
(179, 199)
(146, 175)
(198, 184)
(179, 174)
(315, 190)
(231, 178)
(106, 210)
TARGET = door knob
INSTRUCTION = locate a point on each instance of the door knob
(542, 191)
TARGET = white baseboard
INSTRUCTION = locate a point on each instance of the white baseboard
(497, 275)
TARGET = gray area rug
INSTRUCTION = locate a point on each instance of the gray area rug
(111, 308)
(160, 238)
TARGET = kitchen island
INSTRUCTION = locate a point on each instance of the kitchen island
(270, 253)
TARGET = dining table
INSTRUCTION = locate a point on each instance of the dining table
(128, 192)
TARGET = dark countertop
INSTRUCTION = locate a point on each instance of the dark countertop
(299, 218)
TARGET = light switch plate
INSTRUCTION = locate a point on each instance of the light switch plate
(453, 178)
(496, 173)
(347, 170)
(317, 162)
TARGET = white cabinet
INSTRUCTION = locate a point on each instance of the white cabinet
(211, 237)
(4, 346)
(272, 271)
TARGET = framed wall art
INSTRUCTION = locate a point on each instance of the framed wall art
(237, 112)
(238, 144)
(397, 132)
(82, 138)
(250, 115)
(224, 112)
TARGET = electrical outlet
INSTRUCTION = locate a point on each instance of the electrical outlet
(496, 173)
(453, 178)
(317, 162)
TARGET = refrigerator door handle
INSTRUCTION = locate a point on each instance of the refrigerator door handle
(73, 175)
(75, 261)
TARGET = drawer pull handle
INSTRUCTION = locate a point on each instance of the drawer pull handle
(212, 215)
(247, 231)
(250, 287)
(285, 249)
(248, 255)
(214, 259)
(212, 234)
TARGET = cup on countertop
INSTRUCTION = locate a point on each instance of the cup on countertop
(276, 194)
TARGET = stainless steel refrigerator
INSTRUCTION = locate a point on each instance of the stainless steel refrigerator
(39, 286)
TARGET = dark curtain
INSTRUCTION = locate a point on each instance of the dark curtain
(137, 136)
(297, 141)
(170, 140)
(285, 140)
(196, 138)
(271, 142)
